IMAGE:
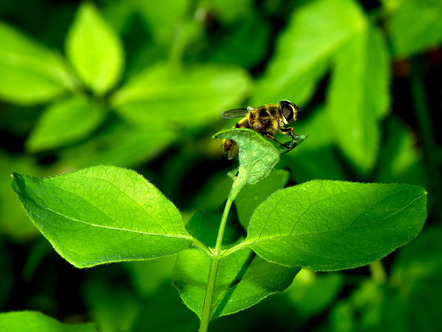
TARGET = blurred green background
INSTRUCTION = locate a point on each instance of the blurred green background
(142, 84)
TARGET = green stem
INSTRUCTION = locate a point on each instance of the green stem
(238, 184)
(207, 308)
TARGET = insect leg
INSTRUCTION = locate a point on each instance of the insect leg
(267, 135)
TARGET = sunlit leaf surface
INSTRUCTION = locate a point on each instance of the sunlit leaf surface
(331, 225)
(94, 50)
(102, 214)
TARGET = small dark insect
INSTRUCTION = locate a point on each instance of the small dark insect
(267, 120)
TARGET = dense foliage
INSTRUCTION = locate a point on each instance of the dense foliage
(141, 84)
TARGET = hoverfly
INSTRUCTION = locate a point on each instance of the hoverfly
(267, 120)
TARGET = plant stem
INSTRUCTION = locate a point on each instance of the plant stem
(207, 307)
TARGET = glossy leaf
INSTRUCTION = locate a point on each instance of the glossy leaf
(30, 73)
(65, 122)
(190, 97)
(101, 215)
(243, 280)
(257, 156)
(29, 321)
(331, 225)
(251, 196)
(356, 109)
(94, 50)
(416, 26)
(315, 33)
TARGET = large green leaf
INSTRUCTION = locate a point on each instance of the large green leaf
(416, 26)
(358, 97)
(315, 32)
(189, 96)
(30, 73)
(94, 50)
(102, 214)
(243, 279)
(30, 321)
(65, 122)
(332, 225)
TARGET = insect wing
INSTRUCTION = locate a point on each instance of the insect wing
(235, 113)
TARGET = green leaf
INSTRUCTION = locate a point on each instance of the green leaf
(315, 33)
(243, 280)
(332, 225)
(94, 50)
(65, 122)
(251, 196)
(257, 156)
(30, 73)
(416, 26)
(189, 97)
(30, 321)
(356, 109)
(101, 215)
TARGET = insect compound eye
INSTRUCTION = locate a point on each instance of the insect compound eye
(288, 110)
(288, 113)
